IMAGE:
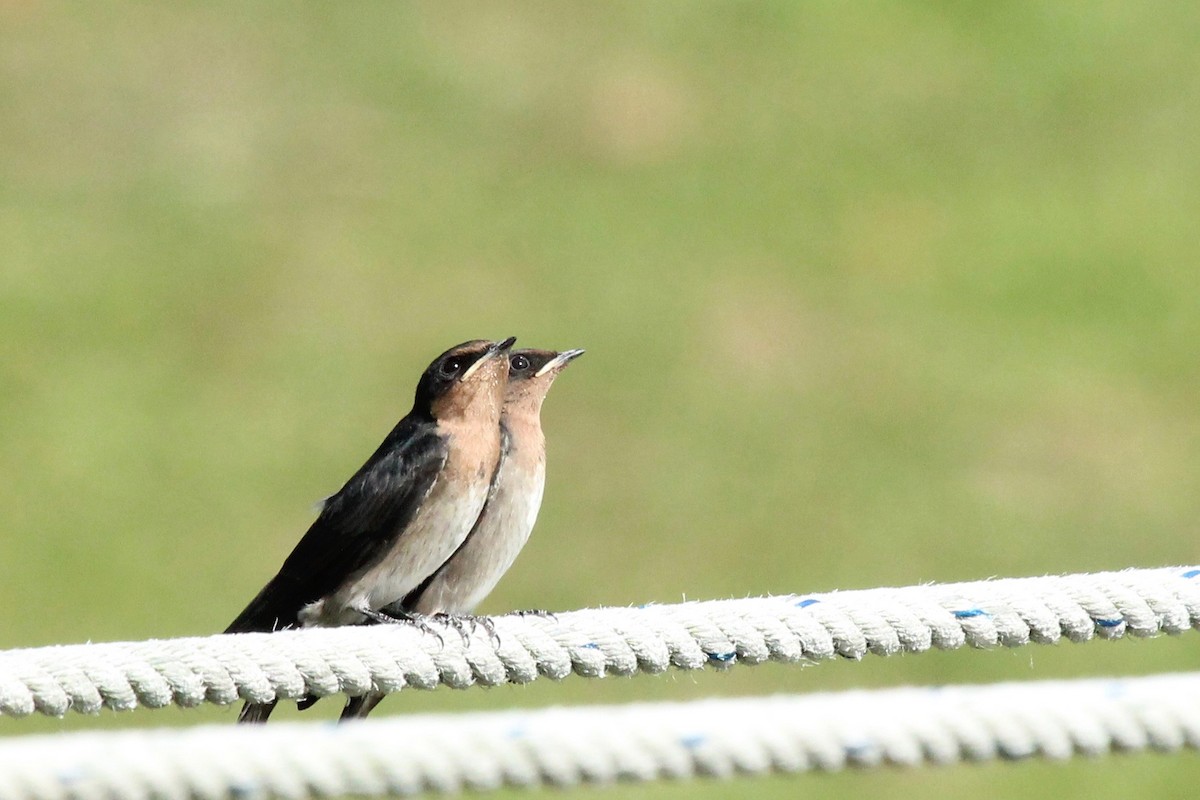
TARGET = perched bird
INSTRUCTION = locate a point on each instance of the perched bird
(476, 567)
(404, 513)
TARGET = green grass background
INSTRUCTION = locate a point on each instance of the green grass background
(873, 294)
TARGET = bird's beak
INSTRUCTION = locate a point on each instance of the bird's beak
(559, 361)
(494, 349)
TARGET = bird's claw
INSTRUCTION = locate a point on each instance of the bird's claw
(469, 622)
(460, 623)
(489, 626)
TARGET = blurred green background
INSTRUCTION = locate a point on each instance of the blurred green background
(873, 294)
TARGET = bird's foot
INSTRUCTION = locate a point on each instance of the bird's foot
(377, 616)
(464, 622)
(418, 621)
(460, 623)
(537, 612)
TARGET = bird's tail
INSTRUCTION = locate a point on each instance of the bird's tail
(272, 609)
(256, 713)
(360, 707)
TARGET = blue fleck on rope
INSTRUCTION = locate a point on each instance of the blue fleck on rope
(565, 747)
(594, 643)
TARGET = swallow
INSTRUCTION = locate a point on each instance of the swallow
(403, 514)
(466, 578)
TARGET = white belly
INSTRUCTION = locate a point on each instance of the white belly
(437, 530)
(492, 547)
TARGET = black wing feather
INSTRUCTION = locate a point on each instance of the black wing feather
(354, 528)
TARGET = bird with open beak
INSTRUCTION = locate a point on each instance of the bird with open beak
(475, 568)
(404, 513)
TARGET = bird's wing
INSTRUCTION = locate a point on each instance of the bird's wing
(355, 527)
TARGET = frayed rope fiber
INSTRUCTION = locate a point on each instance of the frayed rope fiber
(565, 747)
(226, 669)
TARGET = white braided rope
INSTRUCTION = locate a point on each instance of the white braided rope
(595, 745)
(598, 642)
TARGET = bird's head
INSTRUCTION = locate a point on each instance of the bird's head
(530, 374)
(465, 381)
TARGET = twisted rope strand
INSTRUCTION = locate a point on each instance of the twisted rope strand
(598, 642)
(565, 747)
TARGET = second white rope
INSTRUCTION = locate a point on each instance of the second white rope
(564, 747)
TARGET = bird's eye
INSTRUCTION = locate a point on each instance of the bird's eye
(451, 367)
(519, 363)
